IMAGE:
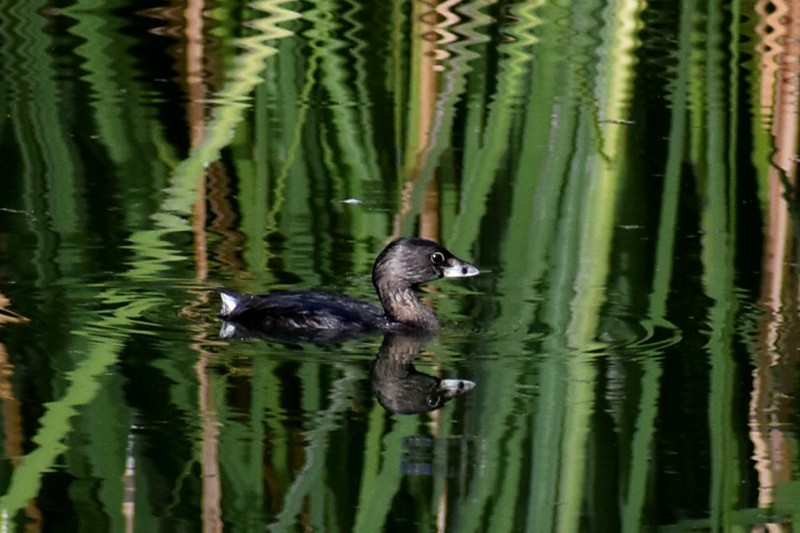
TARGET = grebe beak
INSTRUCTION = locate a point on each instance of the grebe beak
(457, 268)
(450, 388)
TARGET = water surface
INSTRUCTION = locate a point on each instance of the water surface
(622, 172)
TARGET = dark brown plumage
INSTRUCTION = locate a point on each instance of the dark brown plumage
(398, 270)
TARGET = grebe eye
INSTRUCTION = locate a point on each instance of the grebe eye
(437, 258)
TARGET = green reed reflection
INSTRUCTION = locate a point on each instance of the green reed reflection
(232, 97)
(82, 384)
(595, 171)
(155, 252)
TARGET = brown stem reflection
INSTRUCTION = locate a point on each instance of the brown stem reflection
(212, 489)
(775, 376)
(12, 410)
(431, 23)
(186, 22)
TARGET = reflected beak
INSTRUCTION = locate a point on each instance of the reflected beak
(460, 269)
(450, 388)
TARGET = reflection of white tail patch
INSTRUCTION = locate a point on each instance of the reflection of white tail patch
(227, 330)
(229, 303)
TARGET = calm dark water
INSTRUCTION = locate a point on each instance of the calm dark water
(623, 173)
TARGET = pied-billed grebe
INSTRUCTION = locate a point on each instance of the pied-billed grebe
(398, 270)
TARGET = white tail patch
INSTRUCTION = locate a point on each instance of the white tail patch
(229, 303)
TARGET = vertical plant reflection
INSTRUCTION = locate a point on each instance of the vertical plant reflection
(595, 181)
(775, 373)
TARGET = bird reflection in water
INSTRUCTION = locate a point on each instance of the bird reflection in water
(398, 385)
(401, 388)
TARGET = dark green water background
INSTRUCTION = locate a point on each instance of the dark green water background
(622, 172)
